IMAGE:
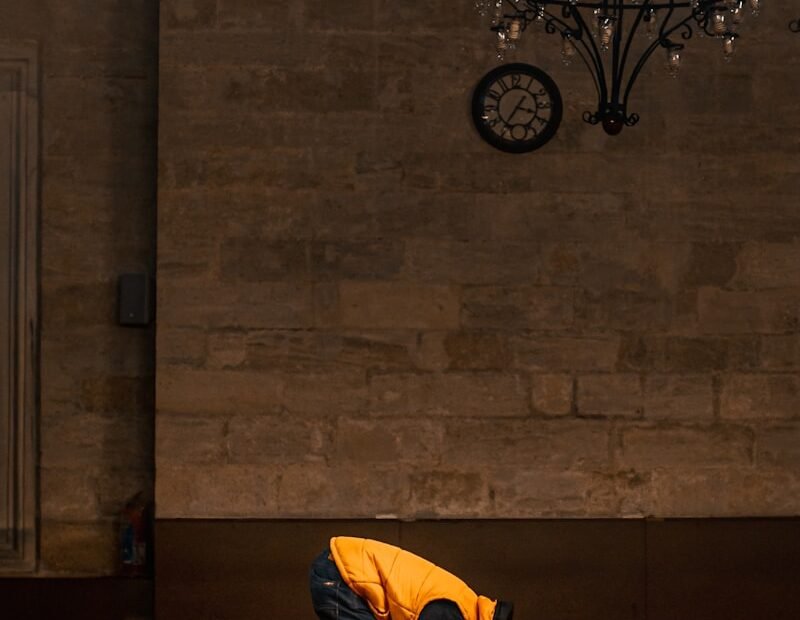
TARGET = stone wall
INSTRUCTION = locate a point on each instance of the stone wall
(98, 66)
(364, 310)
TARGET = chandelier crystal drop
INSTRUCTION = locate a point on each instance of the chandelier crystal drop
(616, 38)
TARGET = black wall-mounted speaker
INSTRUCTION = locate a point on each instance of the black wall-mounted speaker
(135, 299)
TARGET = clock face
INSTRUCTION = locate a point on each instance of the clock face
(516, 108)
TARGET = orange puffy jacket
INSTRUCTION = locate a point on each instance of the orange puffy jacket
(397, 584)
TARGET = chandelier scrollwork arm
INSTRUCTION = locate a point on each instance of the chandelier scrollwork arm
(603, 33)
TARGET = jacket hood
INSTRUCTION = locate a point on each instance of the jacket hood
(486, 607)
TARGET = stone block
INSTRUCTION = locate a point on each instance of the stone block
(255, 14)
(78, 548)
(320, 392)
(345, 88)
(768, 266)
(319, 349)
(639, 352)
(387, 305)
(528, 492)
(543, 352)
(688, 448)
(610, 395)
(461, 394)
(108, 101)
(431, 354)
(381, 441)
(247, 305)
(743, 312)
(760, 396)
(252, 259)
(539, 308)
(356, 260)
(625, 310)
(442, 493)
(708, 353)
(79, 305)
(477, 350)
(276, 439)
(189, 14)
(178, 346)
(533, 443)
(414, 18)
(629, 263)
(90, 135)
(565, 220)
(227, 349)
(315, 491)
(780, 352)
(266, 46)
(208, 443)
(552, 394)
(711, 264)
(377, 168)
(136, 59)
(96, 350)
(322, 15)
(81, 438)
(367, 214)
(69, 494)
(117, 394)
(778, 446)
(248, 392)
(190, 217)
(687, 217)
(216, 491)
(724, 491)
(327, 306)
(678, 397)
(409, 53)
(190, 391)
(287, 169)
(560, 264)
(688, 354)
(472, 262)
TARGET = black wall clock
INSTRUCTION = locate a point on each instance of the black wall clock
(516, 108)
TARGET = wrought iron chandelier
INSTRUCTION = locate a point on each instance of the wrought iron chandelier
(603, 34)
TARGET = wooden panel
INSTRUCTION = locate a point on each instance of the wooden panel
(255, 569)
(84, 599)
(738, 569)
(559, 570)
(241, 570)
(18, 298)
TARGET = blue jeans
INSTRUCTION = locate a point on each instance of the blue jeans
(331, 596)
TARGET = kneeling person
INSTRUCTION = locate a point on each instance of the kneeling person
(362, 579)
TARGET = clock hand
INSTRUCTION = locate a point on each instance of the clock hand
(517, 107)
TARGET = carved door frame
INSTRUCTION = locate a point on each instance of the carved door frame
(19, 408)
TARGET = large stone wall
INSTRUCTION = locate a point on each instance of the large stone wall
(366, 311)
(98, 67)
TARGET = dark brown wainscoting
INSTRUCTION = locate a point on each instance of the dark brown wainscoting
(103, 598)
(704, 569)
